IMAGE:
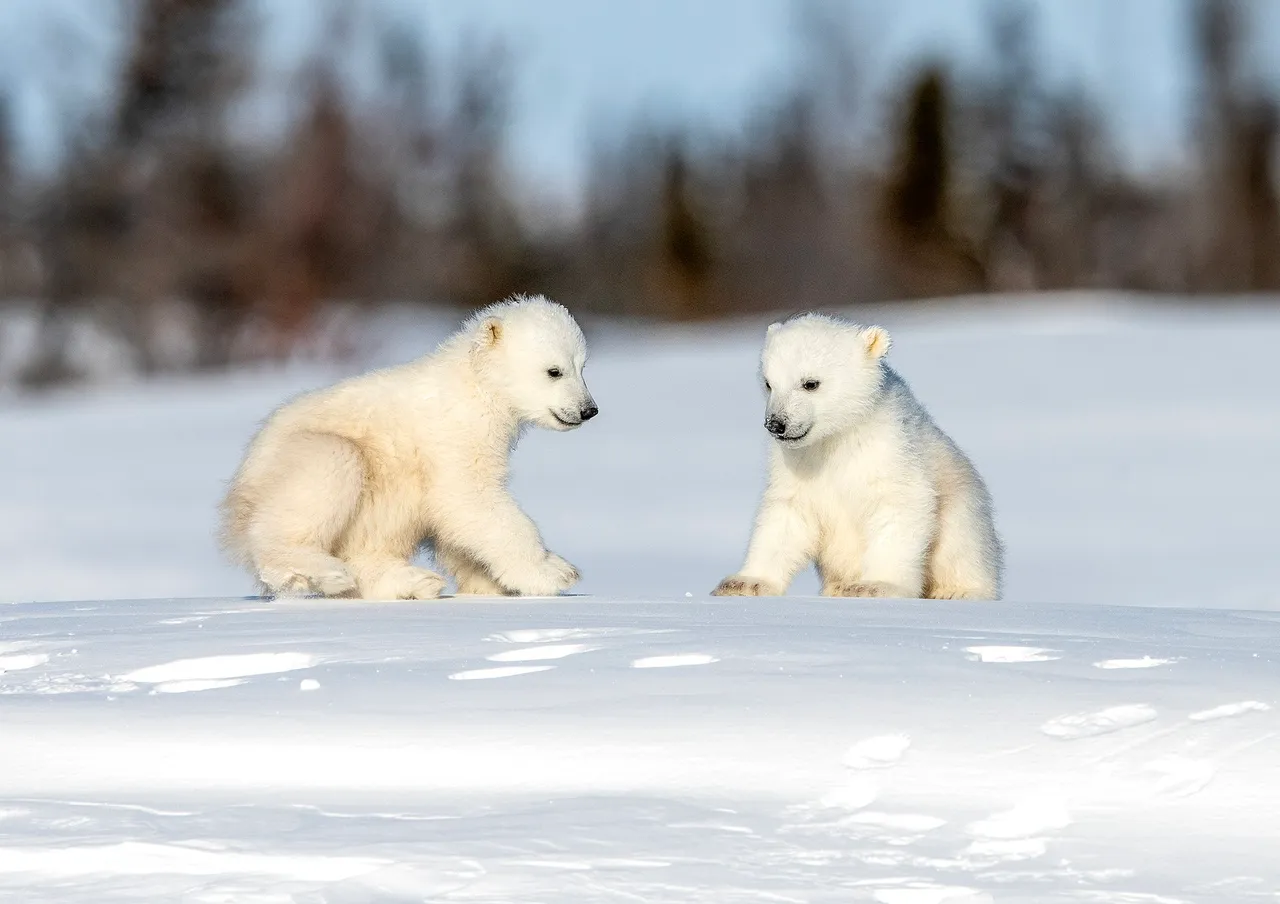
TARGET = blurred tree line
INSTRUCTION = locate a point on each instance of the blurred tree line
(189, 248)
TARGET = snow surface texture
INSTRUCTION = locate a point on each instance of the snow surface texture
(608, 750)
(645, 743)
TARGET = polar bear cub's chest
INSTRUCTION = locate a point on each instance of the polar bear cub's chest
(850, 479)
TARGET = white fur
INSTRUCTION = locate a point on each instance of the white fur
(861, 481)
(342, 486)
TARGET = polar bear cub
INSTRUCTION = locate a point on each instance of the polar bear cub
(341, 486)
(861, 480)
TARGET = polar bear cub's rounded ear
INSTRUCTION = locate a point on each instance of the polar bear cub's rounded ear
(488, 333)
(773, 328)
(877, 341)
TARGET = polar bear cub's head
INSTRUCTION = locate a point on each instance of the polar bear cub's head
(533, 351)
(822, 375)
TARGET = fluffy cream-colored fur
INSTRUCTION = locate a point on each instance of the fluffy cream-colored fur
(342, 486)
(861, 480)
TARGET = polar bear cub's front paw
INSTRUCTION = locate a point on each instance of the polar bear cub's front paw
(549, 577)
(332, 581)
(406, 582)
(565, 574)
(743, 585)
(869, 590)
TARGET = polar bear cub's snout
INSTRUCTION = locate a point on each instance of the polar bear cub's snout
(786, 428)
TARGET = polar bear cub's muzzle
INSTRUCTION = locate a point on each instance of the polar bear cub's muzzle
(579, 409)
(569, 419)
(786, 429)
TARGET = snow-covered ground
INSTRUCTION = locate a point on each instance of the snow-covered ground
(599, 750)
(1105, 735)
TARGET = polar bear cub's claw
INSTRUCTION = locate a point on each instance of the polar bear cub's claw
(407, 582)
(335, 581)
(868, 590)
(284, 583)
(742, 585)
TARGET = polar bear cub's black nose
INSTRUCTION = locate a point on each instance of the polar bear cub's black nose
(589, 412)
(775, 425)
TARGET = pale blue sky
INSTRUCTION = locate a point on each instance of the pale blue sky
(586, 64)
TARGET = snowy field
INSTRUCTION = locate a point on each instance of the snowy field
(1107, 734)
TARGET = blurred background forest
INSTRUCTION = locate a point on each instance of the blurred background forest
(166, 231)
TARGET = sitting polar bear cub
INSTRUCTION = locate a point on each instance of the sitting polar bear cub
(342, 486)
(861, 480)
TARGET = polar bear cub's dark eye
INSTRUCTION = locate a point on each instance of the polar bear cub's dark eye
(554, 373)
(767, 386)
(810, 385)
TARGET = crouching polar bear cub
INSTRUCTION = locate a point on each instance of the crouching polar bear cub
(861, 480)
(341, 486)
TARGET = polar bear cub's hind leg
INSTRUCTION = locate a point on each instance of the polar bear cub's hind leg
(305, 500)
(966, 561)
